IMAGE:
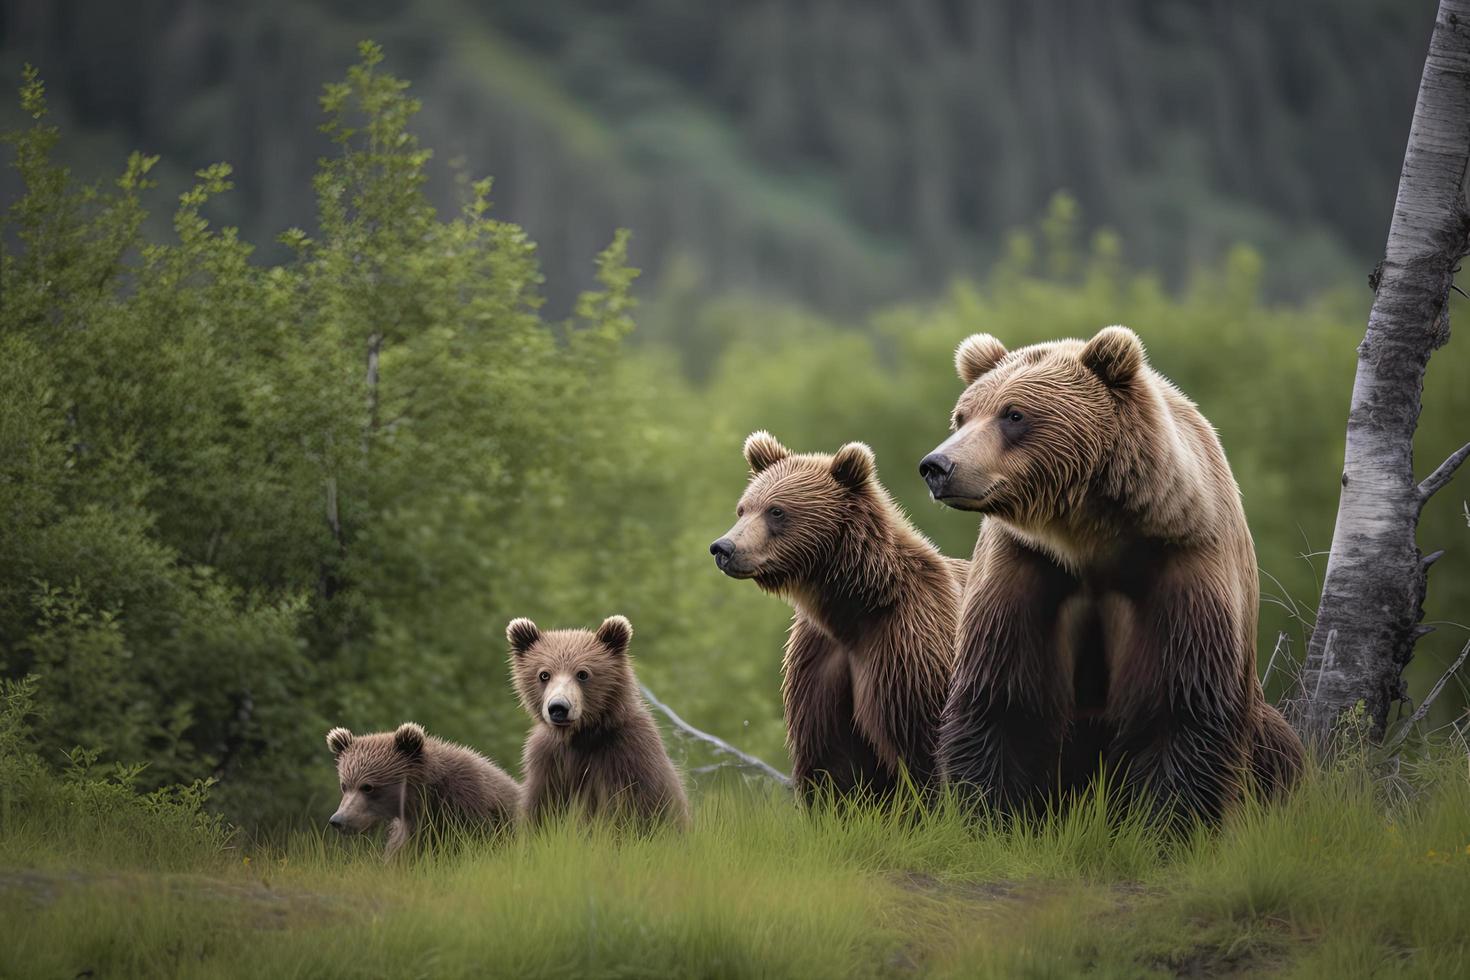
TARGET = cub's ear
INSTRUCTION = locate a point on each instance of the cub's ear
(409, 738)
(338, 739)
(854, 465)
(1115, 355)
(521, 633)
(977, 354)
(615, 633)
(762, 450)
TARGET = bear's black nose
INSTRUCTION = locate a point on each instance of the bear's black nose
(723, 550)
(337, 821)
(558, 711)
(936, 469)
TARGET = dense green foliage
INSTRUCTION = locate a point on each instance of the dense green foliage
(842, 153)
(247, 499)
(227, 533)
(89, 813)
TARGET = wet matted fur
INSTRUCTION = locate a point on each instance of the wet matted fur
(414, 782)
(593, 745)
(1112, 606)
(867, 662)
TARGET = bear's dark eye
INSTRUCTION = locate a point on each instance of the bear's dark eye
(1014, 424)
(367, 788)
(344, 787)
(776, 512)
(740, 511)
(545, 676)
(959, 421)
(582, 675)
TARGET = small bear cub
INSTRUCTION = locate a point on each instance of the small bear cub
(594, 746)
(409, 780)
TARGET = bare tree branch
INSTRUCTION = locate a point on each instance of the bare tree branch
(1423, 711)
(720, 745)
(1436, 480)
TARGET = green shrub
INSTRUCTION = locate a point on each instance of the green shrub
(246, 500)
(93, 813)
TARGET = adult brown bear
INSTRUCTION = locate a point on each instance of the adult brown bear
(1110, 613)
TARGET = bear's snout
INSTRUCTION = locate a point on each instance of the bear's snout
(733, 561)
(558, 711)
(338, 822)
(936, 469)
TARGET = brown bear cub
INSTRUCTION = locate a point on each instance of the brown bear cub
(1111, 609)
(867, 663)
(411, 781)
(594, 745)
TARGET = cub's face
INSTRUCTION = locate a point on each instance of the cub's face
(569, 680)
(1033, 426)
(373, 771)
(791, 517)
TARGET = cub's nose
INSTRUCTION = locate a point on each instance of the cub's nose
(558, 711)
(337, 822)
(723, 550)
(936, 469)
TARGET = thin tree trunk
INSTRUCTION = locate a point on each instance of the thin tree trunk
(1373, 594)
(375, 345)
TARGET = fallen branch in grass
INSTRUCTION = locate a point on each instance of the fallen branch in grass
(746, 760)
(1402, 731)
(1423, 710)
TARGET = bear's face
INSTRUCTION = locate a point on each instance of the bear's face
(374, 771)
(1034, 426)
(792, 516)
(571, 680)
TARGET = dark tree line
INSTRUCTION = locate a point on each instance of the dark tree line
(836, 151)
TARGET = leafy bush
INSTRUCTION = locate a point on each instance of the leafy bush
(245, 500)
(84, 808)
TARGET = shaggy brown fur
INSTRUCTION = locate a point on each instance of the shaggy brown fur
(1111, 612)
(594, 746)
(868, 660)
(409, 780)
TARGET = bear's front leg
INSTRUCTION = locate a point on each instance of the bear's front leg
(541, 792)
(828, 752)
(1180, 699)
(1006, 714)
(399, 832)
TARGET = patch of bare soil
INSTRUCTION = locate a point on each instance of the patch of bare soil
(252, 903)
(971, 891)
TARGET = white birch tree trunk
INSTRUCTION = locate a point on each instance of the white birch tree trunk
(1372, 597)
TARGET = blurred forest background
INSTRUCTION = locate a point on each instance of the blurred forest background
(285, 443)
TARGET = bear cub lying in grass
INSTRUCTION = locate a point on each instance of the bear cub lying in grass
(594, 746)
(411, 780)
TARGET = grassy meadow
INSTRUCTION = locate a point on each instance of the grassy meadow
(244, 498)
(1354, 876)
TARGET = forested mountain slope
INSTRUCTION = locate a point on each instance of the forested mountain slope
(840, 152)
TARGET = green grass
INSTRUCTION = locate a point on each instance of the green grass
(1334, 883)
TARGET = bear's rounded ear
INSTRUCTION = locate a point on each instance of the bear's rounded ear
(1115, 355)
(615, 633)
(338, 739)
(409, 738)
(522, 633)
(854, 465)
(762, 450)
(977, 354)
